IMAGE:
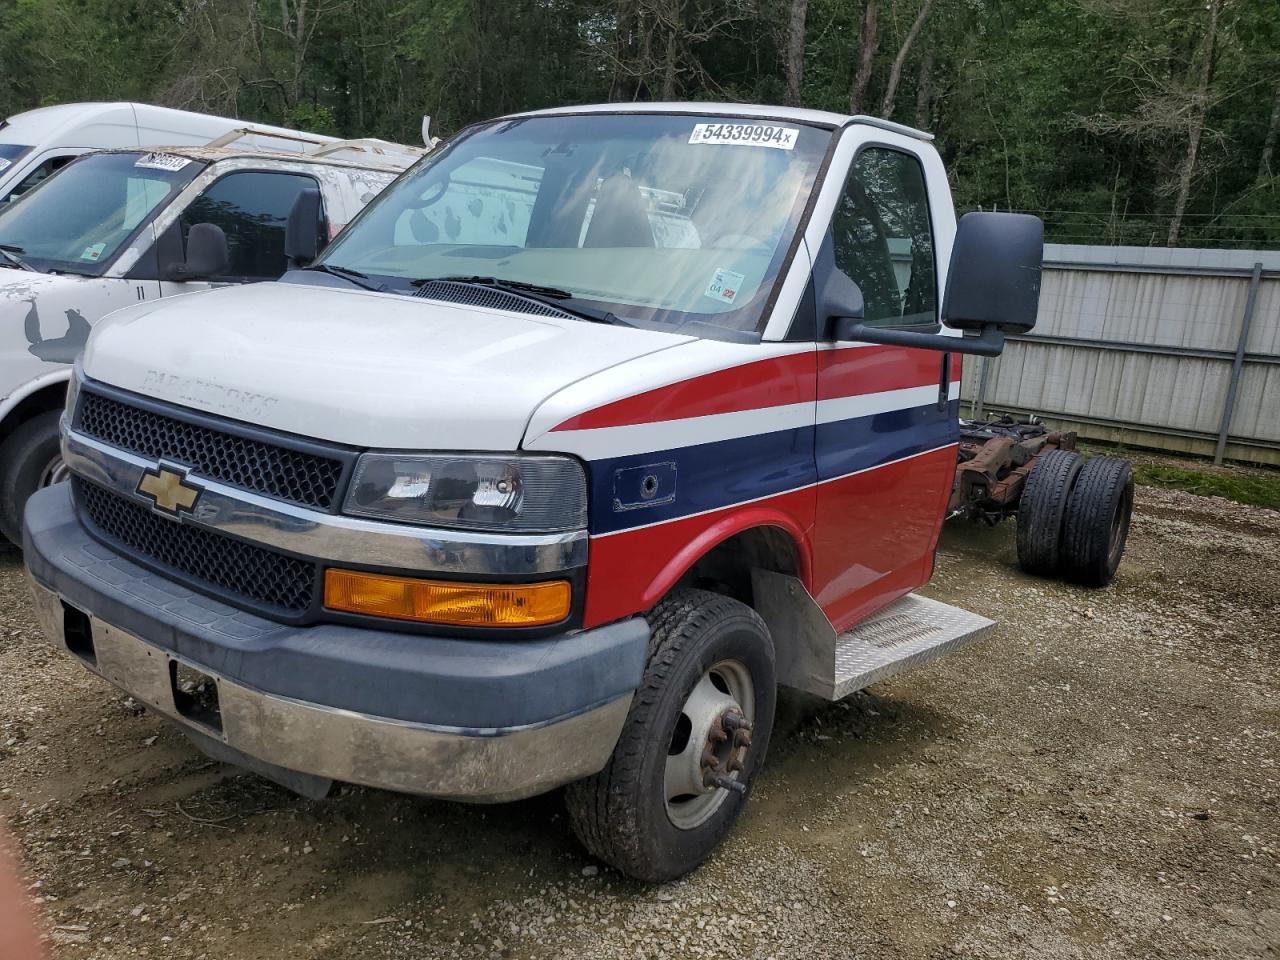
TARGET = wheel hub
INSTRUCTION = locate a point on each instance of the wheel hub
(55, 471)
(710, 744)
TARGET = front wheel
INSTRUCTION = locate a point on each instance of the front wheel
(30, 458)
(693, 741)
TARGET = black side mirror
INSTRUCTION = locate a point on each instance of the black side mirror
(207, 254)
(842, 301)
(994, 279)
(993, 288)
(304, 231)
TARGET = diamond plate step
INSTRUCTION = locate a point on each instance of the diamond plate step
(908, 633)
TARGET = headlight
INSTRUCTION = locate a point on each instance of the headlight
(515, 494)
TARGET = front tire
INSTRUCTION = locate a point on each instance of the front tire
(694, 739)
(30, 458)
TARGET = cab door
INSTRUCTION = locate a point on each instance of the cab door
(887, 416)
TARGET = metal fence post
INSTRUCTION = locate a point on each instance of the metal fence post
(979, 401)
(1237, 365)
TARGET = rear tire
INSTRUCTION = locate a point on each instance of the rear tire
(30, 458)
(707, 654)
(1097, 522)
(1042, 509)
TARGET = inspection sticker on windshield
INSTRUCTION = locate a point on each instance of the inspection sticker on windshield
(746, 134)
(724, 285)
(162, 161)
(93, 251)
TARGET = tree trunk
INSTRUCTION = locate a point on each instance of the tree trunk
(795, 51)
(1269, 144)
(669, 65)
(1201, 110)
(924, 91)
(895, 73)
(866, 57)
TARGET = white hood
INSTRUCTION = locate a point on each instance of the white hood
(367, 369)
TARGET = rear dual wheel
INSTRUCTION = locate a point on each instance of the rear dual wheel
(1042, 510)
(1073, 518)
(693, 741)
(1096, 526)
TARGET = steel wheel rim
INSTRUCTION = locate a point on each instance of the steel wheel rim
(1119, 521)
(55, 471)
(724, 688)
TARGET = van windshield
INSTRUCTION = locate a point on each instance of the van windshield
(77, 221)
(661, 220)
(9, 152)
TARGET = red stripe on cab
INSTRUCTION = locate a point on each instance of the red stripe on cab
(773, 382)
(857, 370)
(764, 383)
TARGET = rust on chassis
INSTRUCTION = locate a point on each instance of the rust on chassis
(994, 460)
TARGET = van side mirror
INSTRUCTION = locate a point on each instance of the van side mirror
(993, 288)
(207, 254)
(304, 231)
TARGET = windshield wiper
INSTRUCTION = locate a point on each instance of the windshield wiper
(10, 253)
(353, 276)
(550, 296)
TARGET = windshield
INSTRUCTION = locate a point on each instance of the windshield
(661, 220)
(10, 152)
(76, 221)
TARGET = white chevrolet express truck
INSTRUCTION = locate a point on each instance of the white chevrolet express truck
(120, 227)
(545, 477)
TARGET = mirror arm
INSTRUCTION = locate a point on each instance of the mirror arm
(988, 344)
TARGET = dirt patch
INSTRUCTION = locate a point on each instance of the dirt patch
(1098, 778)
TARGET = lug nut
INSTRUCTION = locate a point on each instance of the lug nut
(727, 783)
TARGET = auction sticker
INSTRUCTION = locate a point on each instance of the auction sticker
(746, 135)
(93, 251)
(162, 161)
(725, 285)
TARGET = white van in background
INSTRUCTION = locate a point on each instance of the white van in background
(39, 142)
(123, 226)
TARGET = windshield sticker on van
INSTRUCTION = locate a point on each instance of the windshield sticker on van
(5, 164)
(93, 251)
(724, 285)
(162, 161)
(746, 135)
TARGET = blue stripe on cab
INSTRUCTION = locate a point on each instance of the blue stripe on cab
(707, 476)
(847, 446)
(711, 476)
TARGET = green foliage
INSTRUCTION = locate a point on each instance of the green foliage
(1255, 487)
(1074, 109)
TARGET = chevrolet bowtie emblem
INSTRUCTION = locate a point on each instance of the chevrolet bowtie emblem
(168, 490)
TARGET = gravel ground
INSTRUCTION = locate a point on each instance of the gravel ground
(1098, 778)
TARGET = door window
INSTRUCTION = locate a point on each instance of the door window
(252, 208)
(883, 240)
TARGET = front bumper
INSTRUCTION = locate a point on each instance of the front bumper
(477, 720)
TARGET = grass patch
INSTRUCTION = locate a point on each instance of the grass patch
(1257, 489)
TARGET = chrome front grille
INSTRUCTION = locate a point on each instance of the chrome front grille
(231, 568)
(275, 469)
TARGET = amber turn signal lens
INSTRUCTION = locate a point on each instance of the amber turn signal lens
(448, 602)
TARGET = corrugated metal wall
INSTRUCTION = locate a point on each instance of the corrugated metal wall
(1136, 344)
